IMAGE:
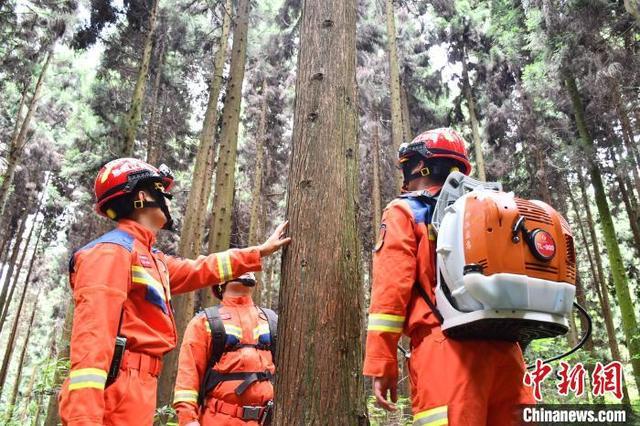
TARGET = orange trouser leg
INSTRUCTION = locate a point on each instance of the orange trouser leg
(466, 383)
(130, 400)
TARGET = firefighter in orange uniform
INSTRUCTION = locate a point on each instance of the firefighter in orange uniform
(122, 286)
(228, 382)
(453, 382)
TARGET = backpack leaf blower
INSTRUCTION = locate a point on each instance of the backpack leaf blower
(506, 266)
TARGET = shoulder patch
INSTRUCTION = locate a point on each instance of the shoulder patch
(116, 236)
(382, 234)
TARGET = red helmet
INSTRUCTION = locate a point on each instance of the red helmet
(437, 143)
(121, 176)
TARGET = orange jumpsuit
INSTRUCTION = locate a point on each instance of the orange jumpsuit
(121, 279)
(244, 324)
(452, 382)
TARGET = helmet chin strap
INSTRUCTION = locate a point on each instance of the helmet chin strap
(162, 205)
(433, 169)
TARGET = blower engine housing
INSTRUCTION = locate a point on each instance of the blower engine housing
(506, 266)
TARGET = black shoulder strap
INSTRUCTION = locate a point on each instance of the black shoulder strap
(218, 341)
(423, 198)
(272, 319)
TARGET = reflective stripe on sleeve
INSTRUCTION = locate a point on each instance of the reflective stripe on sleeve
(185, 395)
(224, 266)
(87, 378)
(432, 417)
(385, 322)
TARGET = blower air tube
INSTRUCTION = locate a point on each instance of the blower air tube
(580, 344)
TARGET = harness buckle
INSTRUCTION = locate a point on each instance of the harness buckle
(251, 412)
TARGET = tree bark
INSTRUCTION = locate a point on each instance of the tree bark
(17, 145)
(197, 204)
(319, 379)
(190, 237)
(220, 230)
(597, 275)
(12, 261)
(14, 328)
(4, 307)
(134, 116)
(152, 132)
(394, 82)
(23, 353)
(407, 134)
(477, 141)
(627, 138)
(255, 225)
(64, 352)
(629, 324)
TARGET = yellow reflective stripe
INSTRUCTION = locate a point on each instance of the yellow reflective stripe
(390, 317)
(224, 266)
(432, 233)
(141, 276)
(83, 371)
(261, 329)
(185, 396)
(386, 322)
(87, 378)
(432, 417)
(207, 326)
(233, 330)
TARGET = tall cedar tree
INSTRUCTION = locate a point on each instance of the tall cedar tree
(222, 209)
(319, 354)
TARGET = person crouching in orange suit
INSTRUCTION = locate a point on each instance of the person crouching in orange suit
(228, 382)
(470, 383)
(122, 286)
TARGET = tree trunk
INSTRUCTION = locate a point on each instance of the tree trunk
(64, 352)
(477, 141)
(631, 213)
(220, 231)
(4, 308)
(184, 304)
(12, 261)
(629, 324)
(23, 353)
(255, 228)
(14, 330)
(394, 82)
(134, 116)
(267, 283)
(152, 132)
(17, 145)
(407, 134)
(627, 137)
(197, 204)
(28, 395)
(319, 379)
(376, 198)
(596, 273)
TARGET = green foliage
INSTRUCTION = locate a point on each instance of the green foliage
(380, 417)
